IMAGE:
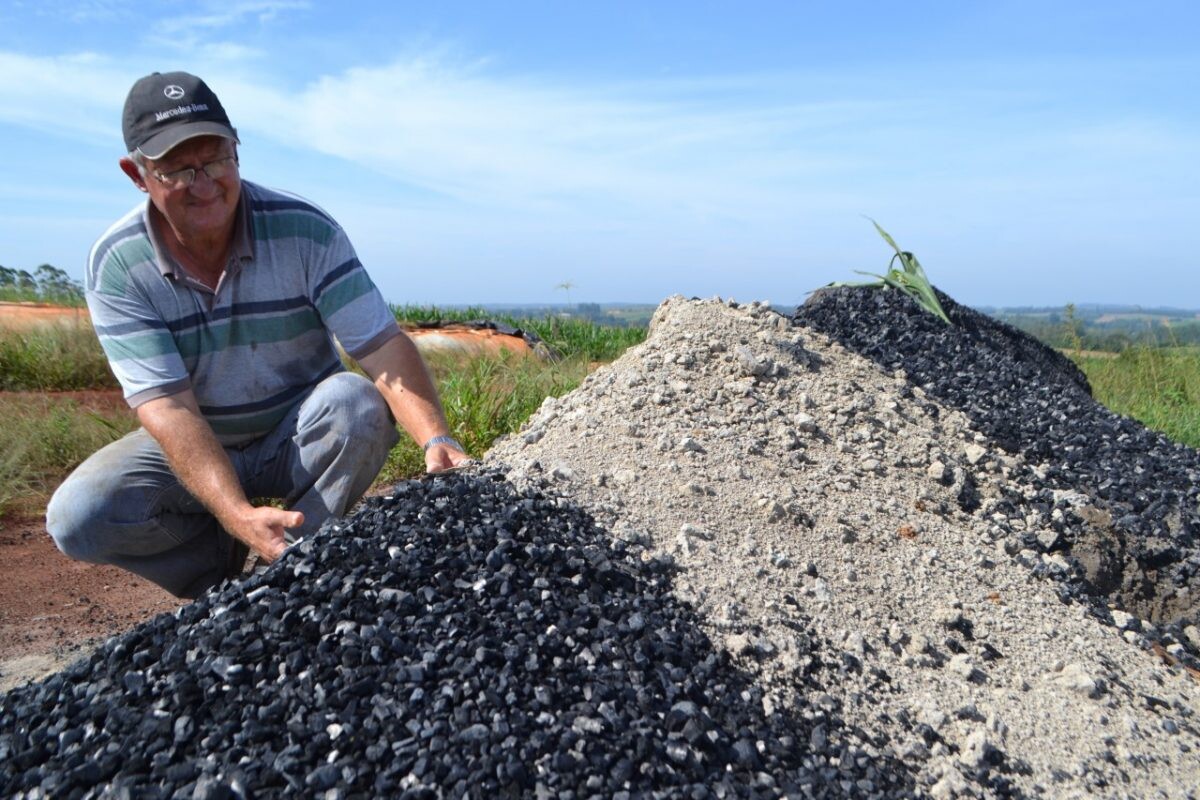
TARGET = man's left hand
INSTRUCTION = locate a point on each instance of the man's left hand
(442, 457)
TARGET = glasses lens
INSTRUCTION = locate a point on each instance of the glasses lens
(220, 168)
(179, 178)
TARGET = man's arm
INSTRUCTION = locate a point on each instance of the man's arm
(200, 463)
(401, 377)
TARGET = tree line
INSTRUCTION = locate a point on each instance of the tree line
(47, 284)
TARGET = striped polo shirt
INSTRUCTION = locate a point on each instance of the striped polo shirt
(254, 347)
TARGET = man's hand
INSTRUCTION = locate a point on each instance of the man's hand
(202, 465)
(263, 529)
(400, 375)
(443, 456)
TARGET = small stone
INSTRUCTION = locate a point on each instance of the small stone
(948, 616)
(1077, 679)
(1047, 539)
(739, 644)
(975, 750)
(962, 665)
(1192, 634)
(936, 470)
(974, 453)
(950, 785)
(1124, 621)
(624, 476)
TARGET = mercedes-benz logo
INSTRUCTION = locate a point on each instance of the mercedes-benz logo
(173, 92)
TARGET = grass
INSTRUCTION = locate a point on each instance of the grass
(484, 399)
(66, 358)
(1158, 386)
(53, 358)
(43, 438)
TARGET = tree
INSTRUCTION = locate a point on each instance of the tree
(55, 286)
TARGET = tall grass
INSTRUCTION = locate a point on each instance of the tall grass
(1158, 386)
(484, 399)
(42, 439)
(53, 358)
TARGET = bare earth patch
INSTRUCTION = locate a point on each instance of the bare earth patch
(53, 609)
(23, 316)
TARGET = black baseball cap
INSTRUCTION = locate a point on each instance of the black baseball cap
(166, 108)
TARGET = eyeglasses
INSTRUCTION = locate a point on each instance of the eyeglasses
(182, 178)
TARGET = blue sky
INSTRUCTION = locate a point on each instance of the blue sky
(1027, 152)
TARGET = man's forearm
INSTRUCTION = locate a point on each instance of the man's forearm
(200, 463)
(400, 375)
(195, 455)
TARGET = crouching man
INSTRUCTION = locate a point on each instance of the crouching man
(217, 302)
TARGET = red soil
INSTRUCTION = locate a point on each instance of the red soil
(23, 316)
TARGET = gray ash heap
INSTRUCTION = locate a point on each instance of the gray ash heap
(1030, 400)
(455, 639)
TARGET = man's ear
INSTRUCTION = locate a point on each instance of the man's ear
(131, 169)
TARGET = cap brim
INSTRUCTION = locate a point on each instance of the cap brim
(162, 143)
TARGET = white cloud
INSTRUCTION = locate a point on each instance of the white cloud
(545, 146)
(216, 16)
(68, 96)
(215, 29)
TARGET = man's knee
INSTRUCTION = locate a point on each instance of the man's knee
(355, 409)
(73, 517)
(94, 506)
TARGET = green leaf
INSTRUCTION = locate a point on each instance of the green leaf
(909, 278)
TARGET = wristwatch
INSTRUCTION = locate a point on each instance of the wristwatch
(450, 440)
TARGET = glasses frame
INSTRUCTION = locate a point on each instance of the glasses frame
(183, 178)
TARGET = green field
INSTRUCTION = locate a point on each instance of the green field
(1158, 386)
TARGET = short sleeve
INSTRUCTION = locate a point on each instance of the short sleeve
(348, 301)
(140, 348)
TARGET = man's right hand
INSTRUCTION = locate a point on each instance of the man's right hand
(205, 470)
(263, 529)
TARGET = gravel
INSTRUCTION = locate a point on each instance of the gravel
(742, 560)
(456, 638)
(1141, 490)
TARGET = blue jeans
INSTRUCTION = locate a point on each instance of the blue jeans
(124, 506)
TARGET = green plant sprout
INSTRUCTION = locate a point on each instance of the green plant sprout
(908, 278)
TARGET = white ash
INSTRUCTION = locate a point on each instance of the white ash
(829, 492)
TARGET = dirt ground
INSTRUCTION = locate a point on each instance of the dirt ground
(23, 316)
(53, 609)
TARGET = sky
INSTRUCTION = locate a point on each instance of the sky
(1028, 153)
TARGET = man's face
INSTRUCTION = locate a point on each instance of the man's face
(207, 206)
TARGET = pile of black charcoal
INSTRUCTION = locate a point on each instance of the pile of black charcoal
(1031, 400)
(455, 639)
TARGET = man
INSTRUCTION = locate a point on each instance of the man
(216, 302)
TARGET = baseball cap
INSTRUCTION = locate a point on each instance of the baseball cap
(166, 108)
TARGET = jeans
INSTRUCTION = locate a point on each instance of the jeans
(124, 506)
